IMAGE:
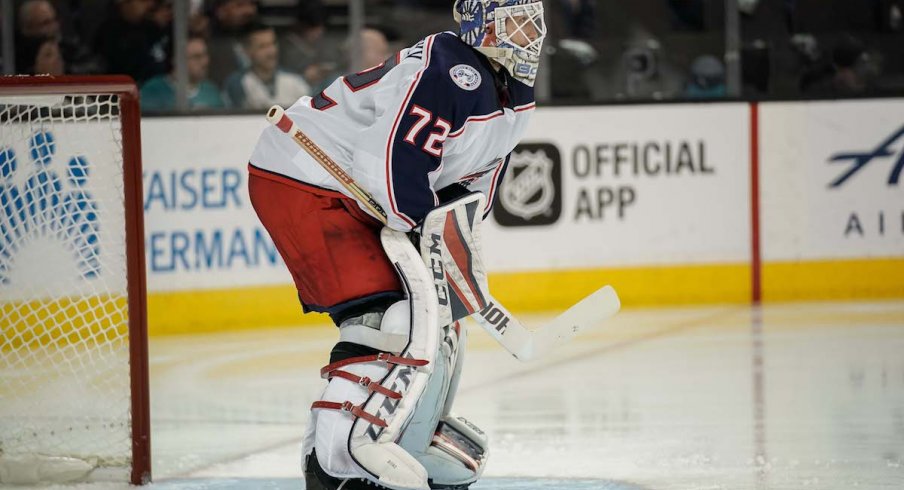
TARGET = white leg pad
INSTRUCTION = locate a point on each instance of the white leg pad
(350, 446)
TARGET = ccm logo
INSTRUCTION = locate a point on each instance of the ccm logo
(436, 267)
(496, 317)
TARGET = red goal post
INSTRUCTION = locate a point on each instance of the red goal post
(74, 402)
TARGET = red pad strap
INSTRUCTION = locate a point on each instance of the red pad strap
(381, 357)
(367, 383)
(350, 407)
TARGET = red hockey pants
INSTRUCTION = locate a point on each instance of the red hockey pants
(330, 246)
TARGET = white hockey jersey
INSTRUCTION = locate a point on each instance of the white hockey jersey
(433, 116)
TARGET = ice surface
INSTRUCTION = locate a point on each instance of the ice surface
(787, 397)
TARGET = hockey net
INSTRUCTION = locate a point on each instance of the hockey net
(73, 345)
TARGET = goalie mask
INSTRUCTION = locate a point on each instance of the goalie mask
(520, 30)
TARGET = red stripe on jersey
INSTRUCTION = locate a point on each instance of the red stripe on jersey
(372, 68)
(395, 127)
(442, 163)
(364, 72)
(493, 186)
(488, 117)
(460, 131)
(330, 103)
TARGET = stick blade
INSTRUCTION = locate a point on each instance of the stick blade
(587, 313)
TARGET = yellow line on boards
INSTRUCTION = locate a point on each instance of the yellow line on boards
(227, 309)
(237, 309)
(834, 279)
(67, 320)
(636, 286)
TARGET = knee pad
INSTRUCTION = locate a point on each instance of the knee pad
(386, 331)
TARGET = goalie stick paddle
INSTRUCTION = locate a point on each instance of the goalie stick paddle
(528, 345)
(277, 117)
(522, 343)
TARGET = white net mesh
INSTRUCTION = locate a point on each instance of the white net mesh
(64, 346)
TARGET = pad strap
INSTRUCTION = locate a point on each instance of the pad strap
(365, 382)
(333, 371)
(381, 357)
(351, 408)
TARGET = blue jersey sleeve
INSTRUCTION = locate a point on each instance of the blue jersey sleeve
(416, 153)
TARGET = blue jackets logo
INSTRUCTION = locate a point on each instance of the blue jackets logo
(36, 202)
(860, 160)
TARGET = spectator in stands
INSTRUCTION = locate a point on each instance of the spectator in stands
(374, 49)
(571, 68)
(688, 15)
(303, 47)
(159, 93)
(38, 21)
(893, 16)
(199, 24)
(707, 78)
(39, 56)
(38, 18)
(263, 83)
(131, 43)
(229, 19)
(161, 15)
(849, 72)
(579, 18)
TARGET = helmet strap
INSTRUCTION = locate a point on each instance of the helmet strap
(496, 54)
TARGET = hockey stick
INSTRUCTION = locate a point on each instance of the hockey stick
(522, 343)
(277, 117)
(528, 345)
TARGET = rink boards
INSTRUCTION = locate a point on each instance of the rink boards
(671, 204)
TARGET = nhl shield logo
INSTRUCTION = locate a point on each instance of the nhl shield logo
(530, 193)
(465, 76)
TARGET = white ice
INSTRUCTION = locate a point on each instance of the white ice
(731, 397)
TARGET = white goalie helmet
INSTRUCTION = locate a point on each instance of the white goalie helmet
(519, 32)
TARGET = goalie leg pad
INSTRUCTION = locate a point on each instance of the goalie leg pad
(370, 400)
(452, 450)
(456, 341)
(434, 403)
